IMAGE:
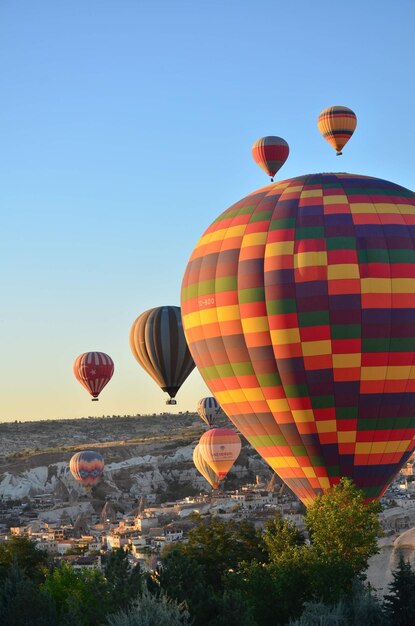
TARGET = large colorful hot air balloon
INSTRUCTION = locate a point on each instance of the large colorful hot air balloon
(270, 153)
(93, 370)
(220, 447)
(299, 309)
(209, 410)
(337, 124)
(204, 468)
(158, 343)
(87, 467)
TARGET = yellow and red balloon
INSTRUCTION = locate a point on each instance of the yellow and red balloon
(337, 124)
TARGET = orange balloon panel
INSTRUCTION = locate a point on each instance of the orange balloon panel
(220, 447)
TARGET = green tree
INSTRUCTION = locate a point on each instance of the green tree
(343, 527)
(125, 582)
(82, 594)
(277, 586)
(281, 537)
(23, 552)
(233, 610)
(183, 579)
(364, 607)
(151, 610)
(399, 604)
(275, 592)
(343, 530)
(22, 603)
(221, 546)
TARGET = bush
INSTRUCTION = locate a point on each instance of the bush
(358, 608)
(319, 614)
(152, 610)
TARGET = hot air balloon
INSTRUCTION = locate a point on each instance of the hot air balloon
(208, 410)
(220, 447)
(87, 467)
(204, 468)
(158, 343)
(93, 370)
(306, 336)
(270, 153)
(337, 124)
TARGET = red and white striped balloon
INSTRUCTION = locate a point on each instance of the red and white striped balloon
(93, 370)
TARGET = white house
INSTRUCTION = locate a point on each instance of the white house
(64, 545)
(173, 533)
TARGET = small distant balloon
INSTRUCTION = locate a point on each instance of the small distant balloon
(93, 370)
(204, 468)
(337, 124)
(209, 410)
(158, 343)
(87, 467)
(220, 447)
(270, 153)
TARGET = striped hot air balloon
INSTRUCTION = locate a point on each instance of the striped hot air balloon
(220, 447)
(337, 124)
(158, 344)
(209, 410)
(204, 468)
(306, 335)
(87, 467)
(270, 153)
(93, 370)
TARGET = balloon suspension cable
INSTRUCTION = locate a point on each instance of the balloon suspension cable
(339, 153)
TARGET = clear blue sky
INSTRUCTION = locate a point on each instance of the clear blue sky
(126, 128)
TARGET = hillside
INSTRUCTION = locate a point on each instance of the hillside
(143, 455)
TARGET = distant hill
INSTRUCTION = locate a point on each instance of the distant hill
(149, 454)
